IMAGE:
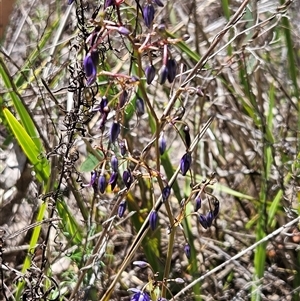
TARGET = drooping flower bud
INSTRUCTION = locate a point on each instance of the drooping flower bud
(123, 149)
(203, 221)
(166, 193)
(153, 218)
(148, 14)
(163, 74)
(209, 218)
(102, 183)
(139, 295)
(172, 70)
(140, 106)
(113, 180)
(185, 163)
(123, 30)
(187, 137)
(162, 144)
(198, 202)
(90, 63)
(114, 132)
(122, 208)
(123, 98)
(187, 251)
(127, 178)
(150, 74)
(103, 105)
(216, 209)
(114, 163)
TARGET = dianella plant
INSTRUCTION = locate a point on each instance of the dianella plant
(161, 139)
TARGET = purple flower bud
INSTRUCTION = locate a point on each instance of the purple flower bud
(186, 131)
(113, 180)
(216, 209)
(172, 68)
(163, 74)
(203, 221)
(93, 177)
(185, 163)
(166, 193)
(123, 30)
(122, 208)
(114, 163)
(198, 202)
(162, 144)
(114, 132)
(158, 3)
(90, 63)
(187, 251)
(148, 14)
(150, 73)
(70, 2)
(127, 178)
(108, 3)
(209, 218)
(139, 296)
(153, 218)
(102, 183)
(103, 105)
(123, 98)
(123, 149)
(141, 264)
(140, 106)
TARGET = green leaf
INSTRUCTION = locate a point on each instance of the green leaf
(90, 163)
(32, 152)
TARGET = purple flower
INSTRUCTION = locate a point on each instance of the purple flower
(148, 14)
(122, 208)
(127, 178)
(209, 218)
(139, 295)
(114, 163)
(163, 74)
(90, 63)
(114, 132)
(108, 3)
(103, 105)
(172, 67)
(123, 98)
(70, 2)
(185, 163)
(187, 137)
(102, 183)
(150, 73)
(123, 149)
(166, 192)
(162, 144)
(140, 106)
(198, 202)
(153, 218)
(187, 251)
(141, 264)
(203, 221)
(123, 30)
(113, 180)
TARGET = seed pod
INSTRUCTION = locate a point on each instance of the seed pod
(123, 98)
(150, 74)
(216, 209)
(166, 193)
(209, 218)
(113, 180)
(148, 14)
(102, 183)
(187, 251)
(127, 178)
(163, 74)
(187, 137)
(185, 163)
(198, 202)
(162, 144)
(114, 163)
(172, 70)
(139, 106)
(203, 221)
(153, 218)
(122, 208)
(114, 132)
